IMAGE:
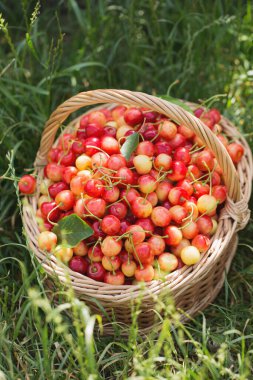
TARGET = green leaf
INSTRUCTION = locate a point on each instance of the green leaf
(130, 145)
(177, 102)
(71, 230)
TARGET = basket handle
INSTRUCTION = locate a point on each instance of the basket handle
(173, 111)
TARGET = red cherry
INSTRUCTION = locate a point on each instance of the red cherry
(145, 273)
(125, 176)
(119, 210)
(142, 253)
(96, 272)
(53, 154)
(116, 278)
(95, 254)
(124, 224)
(182, 154)
(198, 112)
(178, 141)
(200, 189)
(65, 200)
(178, 171)
(235, 151)
(47, 207)
(110, 225)
(56, 188)
(146, 224)
(110, 131)
(146, 148)
(96, 206)
(96, 226)
(54, 171)
(27, 184)
(78, 264)
(66, 159)
(220, 193)
(111, 195)
(78, 147)
(205, 161)
(94, 188)
(89, 145)
(94, 130)
(162, 147)
(68, 173)
(133, 116)
(178, 195)
(110, 145)
(116, 161)
(160, 216)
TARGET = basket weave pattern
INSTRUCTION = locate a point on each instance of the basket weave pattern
(193, 288)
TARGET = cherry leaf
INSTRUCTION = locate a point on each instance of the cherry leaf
(130, 145)
(71, 229)
(177, 102)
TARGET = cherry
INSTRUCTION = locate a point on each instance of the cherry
(163, 162)
(47, 208)
(133, 116)
(78, 264)
(116, 161)
(78, 147)
(137, 234)
(178, 214)
(142, 164)
(143, 254)
(160, 216)
(47, 241)
(178, 171)
(116, 278)
(157, 245)
(111, 195)
(167, 262)
(146, 148)
(128, 268)
(68, 173)
(220, 193)
(177, 141)
(198, 112)
(65, 141)
(65, 200)
(118, 114)
(90, 145)
(216, 179)
(97, 117)
(96, 272)
(190, 255)
(174, 235)
(186, 185)
(186, 132)
(84, 121)
(56, 188)
(95, 254)
(96, 206)
(178, 196)
(130, 194)
(205, 161)
(150, 116)
(53, 155)
(94, 188)
(96, 226)
(83, 162)
(63, 253)
(66, 159)
(178, 248)
(201, 242)
(236, 152)
(200, 189)
(27, 184)
(205, 225)
(81, 249)
(207, 204)
(119, 210)
(162, 147)
(150, 133)
(111, 246)
(141, 208)
(110, 145)
(189, 230)
(152, 198)
(215, 114)
(193, 173)
(182, 154)
(111, 263)
(223, 139)
(77, 185)
(147, 183)
(124, 224)
(162, 190)
(94, 130)
(110, 225)
(125, 176)
(54, 171)
(145, 273)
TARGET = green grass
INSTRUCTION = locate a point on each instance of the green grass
(51, 52)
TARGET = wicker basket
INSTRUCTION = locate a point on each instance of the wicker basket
(193, 288)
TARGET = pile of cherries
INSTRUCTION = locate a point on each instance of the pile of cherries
(151, 214)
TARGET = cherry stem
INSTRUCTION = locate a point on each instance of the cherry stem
(132, 243)
(50, 212)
